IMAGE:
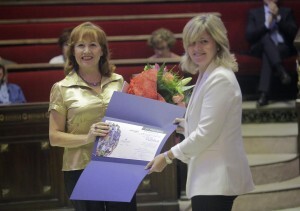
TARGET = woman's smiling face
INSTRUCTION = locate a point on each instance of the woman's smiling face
(87, 53)
(203, 50)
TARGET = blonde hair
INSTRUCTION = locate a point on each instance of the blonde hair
(214, 26)
(160, 35)
(93, 32)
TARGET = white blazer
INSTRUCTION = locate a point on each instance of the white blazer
(213, 146)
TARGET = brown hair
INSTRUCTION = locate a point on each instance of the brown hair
(4, 79)
(64, 37)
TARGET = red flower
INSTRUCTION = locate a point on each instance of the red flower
(145, 85)
(159, 83)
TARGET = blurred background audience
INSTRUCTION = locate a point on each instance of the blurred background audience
(271, 30)
(63, 44)
(9, 92)
(162, 41)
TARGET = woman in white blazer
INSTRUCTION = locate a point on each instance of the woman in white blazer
(218, 170)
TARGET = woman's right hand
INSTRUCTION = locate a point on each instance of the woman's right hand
(97, 129)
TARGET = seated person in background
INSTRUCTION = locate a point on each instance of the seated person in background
(63, 44)
(9, 92)
(6, 61)
(162, 40)
(271, 31)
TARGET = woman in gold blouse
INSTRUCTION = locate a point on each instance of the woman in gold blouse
(77, 105)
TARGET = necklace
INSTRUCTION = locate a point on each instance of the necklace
(91, 83)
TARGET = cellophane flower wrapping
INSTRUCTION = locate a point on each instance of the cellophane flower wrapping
(159, 83)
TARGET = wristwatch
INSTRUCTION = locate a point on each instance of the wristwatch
(168, 160)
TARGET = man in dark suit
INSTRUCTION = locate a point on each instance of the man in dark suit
(271, 31)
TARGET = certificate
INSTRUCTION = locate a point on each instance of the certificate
(139, 128)
(129, 141)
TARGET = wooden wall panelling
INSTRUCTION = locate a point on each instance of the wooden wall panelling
(30, 169)
(158, 191)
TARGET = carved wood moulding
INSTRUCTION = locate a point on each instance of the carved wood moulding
(35, 112)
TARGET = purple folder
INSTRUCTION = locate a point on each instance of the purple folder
(116, 179)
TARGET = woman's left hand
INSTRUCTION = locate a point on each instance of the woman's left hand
(180, 123)
(157, 164)
(97, 129)
(100, 129)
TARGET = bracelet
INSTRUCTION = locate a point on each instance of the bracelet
(168, 160)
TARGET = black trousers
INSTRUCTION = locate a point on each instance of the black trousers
(272, 56)
(212, 203)
(71, 178)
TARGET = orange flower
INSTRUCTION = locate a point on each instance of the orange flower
(157, 83)
(178, 100)
(168, 77)
(145, 85)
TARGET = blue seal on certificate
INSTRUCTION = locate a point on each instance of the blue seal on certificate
(108, 143)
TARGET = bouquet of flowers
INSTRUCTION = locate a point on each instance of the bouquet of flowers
(159, 83)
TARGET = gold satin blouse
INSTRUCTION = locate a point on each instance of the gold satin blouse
(82, 107)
